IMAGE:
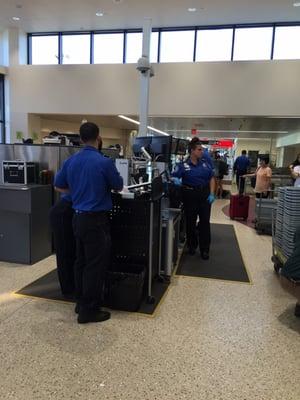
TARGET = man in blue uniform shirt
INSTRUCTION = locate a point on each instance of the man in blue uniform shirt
(90, 177)
(198, 194)
(241, 167)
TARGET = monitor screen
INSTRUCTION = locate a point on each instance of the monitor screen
(182, 147)
(174, 145)
(111, 153)
(160, 148)
(74, 138)
(139, 142)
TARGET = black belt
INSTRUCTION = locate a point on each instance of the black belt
(81, 212)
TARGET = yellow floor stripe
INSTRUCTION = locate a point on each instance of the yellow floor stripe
(153, 315)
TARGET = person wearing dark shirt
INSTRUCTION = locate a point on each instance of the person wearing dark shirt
(241, 167)
(61, 215)
(90, 177)
(220, 169)
(198, 184)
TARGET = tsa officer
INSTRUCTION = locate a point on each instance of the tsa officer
(240, 167)
(90, 177)
(198, 191)
(61, 215)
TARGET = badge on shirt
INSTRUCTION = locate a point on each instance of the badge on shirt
(186, 166)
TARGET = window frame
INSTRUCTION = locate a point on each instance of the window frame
(109, 31)
(159, 30)
(2, 108)
(80, 33)
(249, 26)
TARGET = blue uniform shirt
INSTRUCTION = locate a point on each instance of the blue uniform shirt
(66, 197)
(241, 164)
(194, 175)
(90, 177)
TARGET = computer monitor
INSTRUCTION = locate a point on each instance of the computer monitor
(160, 148)
(182, 147)
(111, 153)
(139, 142)
(174, 145)
(74, 138)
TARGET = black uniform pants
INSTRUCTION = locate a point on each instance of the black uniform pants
(240, 182)
(93, 246)
(61, 215)
(196, 205)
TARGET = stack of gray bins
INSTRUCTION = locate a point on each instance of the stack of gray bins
(264, 209)
(279, 219)
(287, 219)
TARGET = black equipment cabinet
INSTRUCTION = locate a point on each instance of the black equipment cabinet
(25, 236)
(136, 230)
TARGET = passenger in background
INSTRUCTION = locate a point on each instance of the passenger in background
(241, 167)
(295, 171)
(90, 177)
(220, 169)
(263, 179)
(61, 215)
(198, 193)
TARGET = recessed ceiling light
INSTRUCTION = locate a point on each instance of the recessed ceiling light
(16, 18)
(99, 14)
(296, 4)
(192, 9)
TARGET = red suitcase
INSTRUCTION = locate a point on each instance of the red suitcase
(239, 206)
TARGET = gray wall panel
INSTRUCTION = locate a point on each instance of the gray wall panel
(66, 152)
(46, 156)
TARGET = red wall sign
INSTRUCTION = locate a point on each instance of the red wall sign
(223, 143)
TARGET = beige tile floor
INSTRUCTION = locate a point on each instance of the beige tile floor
(210, 340)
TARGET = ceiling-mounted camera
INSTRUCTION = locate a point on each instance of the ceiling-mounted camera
(143, 65)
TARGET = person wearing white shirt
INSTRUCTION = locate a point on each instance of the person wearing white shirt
(296, 175)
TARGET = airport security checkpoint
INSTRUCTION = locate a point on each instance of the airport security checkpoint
(146, 218)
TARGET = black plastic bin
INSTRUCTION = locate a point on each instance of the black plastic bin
(124, 286)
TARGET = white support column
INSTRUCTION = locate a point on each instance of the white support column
(145, 77)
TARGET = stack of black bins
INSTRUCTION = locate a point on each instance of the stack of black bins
(130, 270)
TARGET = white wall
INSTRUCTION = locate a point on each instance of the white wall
(288, 140)
(189, 89)
(263, 146)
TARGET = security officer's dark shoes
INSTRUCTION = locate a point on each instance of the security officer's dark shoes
(92, 316)
(204, 254)
(77, 308)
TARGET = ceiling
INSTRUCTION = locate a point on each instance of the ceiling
(217, 127)
(57, 15)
